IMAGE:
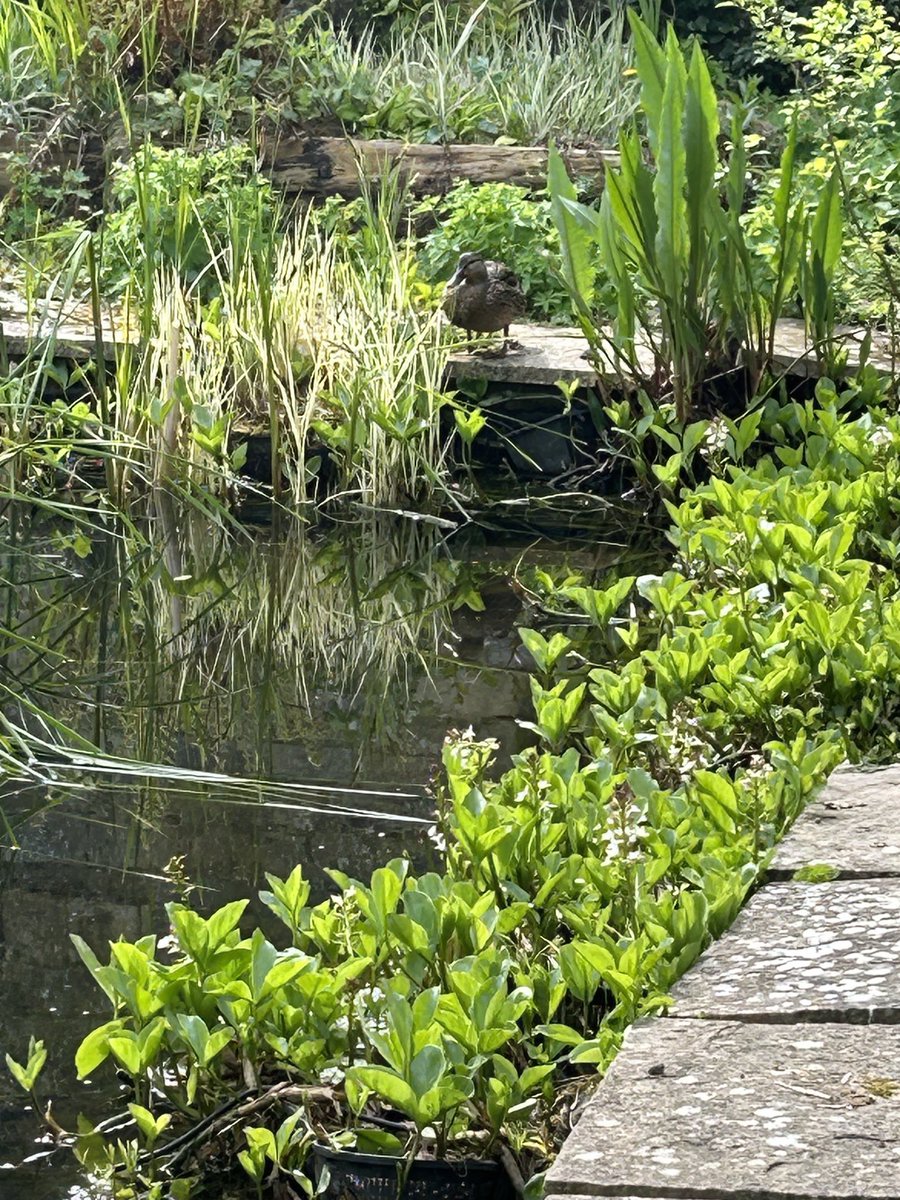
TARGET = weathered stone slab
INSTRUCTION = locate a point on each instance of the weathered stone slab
(804, 952)
(724, 1109)
(544, 354)
(547, 353)
(70, 326)
(854, 826)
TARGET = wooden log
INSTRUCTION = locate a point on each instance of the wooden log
(51, 154)
(331, 166)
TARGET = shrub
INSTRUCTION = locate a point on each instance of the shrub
(846, 62)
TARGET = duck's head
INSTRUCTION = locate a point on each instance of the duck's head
(469, 269)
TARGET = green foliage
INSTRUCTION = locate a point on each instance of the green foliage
(688, 290)
(475, 79)
(184, 209)
(816, 873)
(845, 60)
(501, 222)
(681, 720)
(40, 199)
(26, 1077)
(726, 32)
(496, 70)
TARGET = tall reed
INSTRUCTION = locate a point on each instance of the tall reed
(440, 80)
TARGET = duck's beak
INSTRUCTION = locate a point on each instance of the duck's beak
(458, 276)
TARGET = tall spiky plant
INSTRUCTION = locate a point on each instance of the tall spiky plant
(669, 238)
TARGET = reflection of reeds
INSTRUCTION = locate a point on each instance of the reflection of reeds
(301, 623)
(236, 650)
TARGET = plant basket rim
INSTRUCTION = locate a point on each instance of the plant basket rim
(460, 1166)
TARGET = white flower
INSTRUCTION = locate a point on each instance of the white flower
(761, 592)
(715, 437)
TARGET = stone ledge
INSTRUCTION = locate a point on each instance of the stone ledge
(705, 1109)
(854, 827)
(547, 353)
(804, 952)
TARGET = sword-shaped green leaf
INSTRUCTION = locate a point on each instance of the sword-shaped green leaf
(575, 239)
(650, 62)
(701, 130)
(828, 226)
(669, 184)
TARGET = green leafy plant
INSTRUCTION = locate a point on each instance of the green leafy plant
(843, 60)
(816, 873)
(181, 208)
(689, 292)
(681, 721)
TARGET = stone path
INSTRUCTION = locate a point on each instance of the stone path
(776, 1074)
(70, 326)
(546, 353)
(853, 827)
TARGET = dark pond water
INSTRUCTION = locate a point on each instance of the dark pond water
(326, 664)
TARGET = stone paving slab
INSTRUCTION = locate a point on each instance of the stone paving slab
(70, 326)
(724, 1109)
(854, 826)
(546, 353)
(804, 952)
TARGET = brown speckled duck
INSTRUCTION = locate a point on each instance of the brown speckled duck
(484, 296)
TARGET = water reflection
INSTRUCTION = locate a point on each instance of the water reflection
(244, 703)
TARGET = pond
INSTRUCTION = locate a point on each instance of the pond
(261, 697)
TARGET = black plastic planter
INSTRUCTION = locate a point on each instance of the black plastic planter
(374, 1177)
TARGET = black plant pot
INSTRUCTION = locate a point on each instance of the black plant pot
(356, 1176)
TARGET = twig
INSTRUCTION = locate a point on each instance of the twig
(512, 1170)
(192, 1134)
(234, 1110)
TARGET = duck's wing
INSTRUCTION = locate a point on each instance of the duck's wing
(500, 273)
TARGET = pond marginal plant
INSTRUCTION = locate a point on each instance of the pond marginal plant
(225, 329)
(691, 295)
(681, 721)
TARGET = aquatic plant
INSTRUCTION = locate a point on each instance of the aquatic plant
(436, 79)
(322, 341)
(681, 721)
(690, 293)
(176, 69)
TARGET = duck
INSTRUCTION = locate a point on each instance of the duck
(484, 296)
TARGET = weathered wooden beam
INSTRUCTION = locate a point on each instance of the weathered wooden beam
(47, 154)
(330, 166)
